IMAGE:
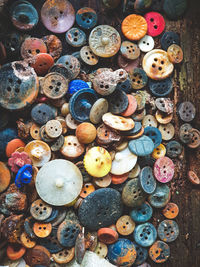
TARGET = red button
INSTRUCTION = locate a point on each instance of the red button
(42, 63)
(155, 22)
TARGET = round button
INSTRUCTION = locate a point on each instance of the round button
(155, 22)
(76, 85)
(107, 235)
(132, 106)
(57, 144)
(119, 179)
(101, 250)
(44, 136)
(146, 44)
(32, 46)
(72, 65)
(4, 177)
(195, 142)
(42, 230)
(13, 145)
(142, 213)
(142, 146)
(149, 120)
(147, 180)
(134, 172)
(125, 86)
(103, 181)
(117, 102)
(88, 56)
(118, 122)
(142, 254)
(86, 18)
(71, 123)
(87, 189)
(193, 178)
(53, 128)
(106, 136)
(42, 113)
(186, 111)
(99, 108)
(72, 148)
(160, 196)
(38, 255)
(64, 256)
(171, 211)
(125, 225)
(175, 53)
(54, 45)
(174, 9)
(159, 252)
(129, 50)
(168, 230)
(27, 241)
(127, 64)
(42, 63)
(165, 105)
(86, 132)
(174, 149)
(145, 234)
(75, 37)
(138, 78)
(40, 210)
(154, 134)
(161, 88)
(169, 38)
(159, 152)
(15, 253)
(167, 131)
(137, 128)
(164, 169)
(104, 41)
(185, 134)
(163, 118)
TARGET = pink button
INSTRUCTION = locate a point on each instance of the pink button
(155, 22)
(17, 160)
(164, 169)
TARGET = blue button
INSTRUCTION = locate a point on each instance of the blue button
(51, 242)
(147, 180)
(118, 101)
(142, 214)
(142, 254)
(76, 85)
(125, 86)
(86, 18)
(42, 113)
(135, 130)
(154, 134)
(161, 88)
(160, 196)
(145, 234)
(75, 37)
(142, 146)
(24, 175)
(6, 135)
(174, 149)
(168, 230)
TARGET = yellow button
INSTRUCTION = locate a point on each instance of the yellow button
(159, 152)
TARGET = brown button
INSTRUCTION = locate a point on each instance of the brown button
(106, 136)
(54, 45)
(171, 211)
(42, 230)
(4, 177)
(107, 235)
(195, 138)
(63, 123)
(175, 53)
(127, 64)
(129, 50)
(40, 210)
(38, 255)
(87, 189)
(88, 56)
(32, 46)
(53, 128)
(103, 181)
(193, 178)
(34, 131)
(125, 225)
(27, 241)
(86, 132)
(64, 256)
(163, 118)
(71, 123)
(72, 148)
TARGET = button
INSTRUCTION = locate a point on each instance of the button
(42, 230)
(171, 211)
(122, 251)
(164, 169)
(174, 149)
(132, 106)
(145, 234)
(127, 64)
(129, 50)
(132, 194)
(141, 6)
(99, 108)
(72, 148)
(139, 115)
(87, 189)
(76, 85)
(142, 146)
(174, 9)
(167, 131)
(195, 138)
(72, 65)
(119, 179)
(125, 86)
(136, 136)
(156, 64)
(149, 120)
(15, 252)
(161, 88)
(138, 78)
(146, 44)
(142, 254)
(71, 123)
(66, 182)
(155, 135)
(101, 250)
(42, 113)
(137, 128)
(57, 144)
(12, 44)
(53, 128)
(86, 17)
(24, 175)
(134, 27)
(4, 177)
(80, 104)
(13, 145)
(164, 105)
(117, 102)
(54, 45)
(34, 131)
(155, 23)
(86, 176)
(118, 122)
(58, 17)
(175, 53)
(142, 213)
(169, 38)
(125, 225)
(86, 133)
(103, 181)
(123, 162)
(38, 255)
(41, 63)
(39, 152)
(40, 210)
(60, 68)
(64, 256)
(147, 180)
(134, 172)
(121, 146)
(32, 46)
(97, 161)
(96, 209)
(107, 235)
(44, 136)
(168, 230)
(75, 37)
(193, 178)
(185, 134)
(159, 152)
(53, 216)
(88, 56)
(51, 242)
(160, 196)
(104, 41)
(186, 111)
(159, 252)
(27, 241)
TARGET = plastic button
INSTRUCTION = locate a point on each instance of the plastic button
(146, 44)
(159, 152)
(86, 17)
(155, 22)
(142, 213)
(107, 235)
(145, 234)
(75, 37)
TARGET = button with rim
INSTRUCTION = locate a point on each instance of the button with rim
(86, 17)
(127, 64)
(32, 46)
(146, 44)
(171, 211)
(165, 105)
(42, 230)
(159, 252)
(129, 50)
(40, 210)
(163, 118)
(142, 146)
(195, 142)
(54, 45)
(118, 122)
(64, 256)
(160, 196)
(168, 230)
(75, 37)
(88, 56)
(186, 111)
(159, 152)
(164, 169)
(53, 128)
(142, 213)
(145, 234)
(169, 38)
(174, 149)
(185, 134)
(193, 178)
(117, 101)
(107, 235)
(147, 180)
(161, 88)
(99, 108)
(72, 65)
(101, 250)
(125, 225)
(138, 78)
(175, 53)
(41, 113)
(72, 148)
(167, 131)
(155, 22)
(142, 254)
(149, 120)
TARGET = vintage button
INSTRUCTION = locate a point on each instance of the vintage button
(76, 85)
(107, 235)
(127, 64)
(118, 122)
(4, 177)
(86, 176)
(104, 41)
(53, 216)
(186, 111)
(167, 131)
(53, 128)
(168, 230)
(137, 128)
(64, 256)
(42, 113)
(121, 146)
(13, 145)
(160, 196)
(161, 88)
(171, 211)
(86, 132)
(146, 44)
(138, 78)
(134, 27)
(129, 50)
(195, 142)
(117, 102)
(185, 134)
(125, 86)
(27, 241)
(155, 135)
(159, 252)
(57, 17)
(54, 45)
(34, 131)
(119, 179)
(42, 230)
(132, 194)
(58, 143)
(44, 136)
(97, 161)
(132, 106)
(75, 37)
(71, 123)
(164, 169)
(147, 180)
(72, 65)
(174, 9)
(125, 225)
(51, 242)
(40, 210)
(39, 152)
(134, 172)
(142, 213)
(156, 64)
(149, 120)
(175, 53)
(142, 146)
(80, 104)
(159, 152)
(86, 17)
(169, 38)
(88, 56)
(32, 46)
(137, 135)
(96, 208)
(87, 189)
(99, 108)
(142, 254)
(15, 252)
(60, 68)
(174, 149)
(165, 105)
(23, 15)
(64, 177)
(19, 85)
(101, 250)
(145, 234)
(193, 178)
(38, 255)
(122, 252)
(41, 63)
(155, 23)
(65, 109)
(103, 181)
(72, 148)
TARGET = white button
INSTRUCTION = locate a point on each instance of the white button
(146, 44)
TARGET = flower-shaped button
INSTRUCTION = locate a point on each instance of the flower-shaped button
(17, 160)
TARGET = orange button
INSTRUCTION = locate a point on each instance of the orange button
(15, 252)
(42, 63)
(27, 241)
(107, 235)
(13, 145)
(132, 106)
(42, 229)
(4, 176)
(119, 179)
(171, 211)
(87, 189)
(125, 225)
(86, 132)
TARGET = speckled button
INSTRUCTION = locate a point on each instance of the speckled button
(195, 142)
(27, 241)
(163, 118)
(164, 169)
(72, 65)
(147, 180)
(185, 134)
(32, 46)
(125, 86)
(168, 230)
(57, 17)
(72, 148)
(86, 17)
(175, 53)
(165, 105)
(186, 111)
(125, 225)
(167, 131)
(141, 100)
(161, 88)
(142, 213)
(42, 230)
(117, 102)
(105, 135)
(160, 196)
(96, 208)
(99, 108)
(142, 254)
(174, 149)
(154, 134)
(171, 211)
(40, 210)
(64, 256)
(159, 152)
(146, 44)
(159, 252)
(75, 37)
(118, 122)
(145, 234)
(142, 146)
(41, 113)
(155, 22)
(104, 41)
(54, 45)
(138, 78)
(37, 255)
(169, 38)
(174, 9)
(149, 120)
(129, 50)
(88, 56)
(156, 64)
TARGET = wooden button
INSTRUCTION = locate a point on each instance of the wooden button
(32, 46)
(159, 151)
(72, 148)
(175, 53)
(193, 178)
(125, 225)
(118, 122)
(41, 63)
(64, 256)
(167, 131)
(129, 50)
(27, 241)
(101, 250)
(34, 131)
(99, 108)
(38, 255)
(138, 78)
(53, 128)
(42, 230)
(71, 123)
(86, 133)
(15, 252)
(4, 177)
(149, 120)
(163, 118)
(159, 252)
(164, 169)
(171, 211)
(165, 105)
(40, 210)
(107, 235)
(195, 142)
(103, 181)
(88, 56)
(54, 45)
(87, 189)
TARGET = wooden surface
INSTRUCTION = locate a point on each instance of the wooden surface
(185, 251)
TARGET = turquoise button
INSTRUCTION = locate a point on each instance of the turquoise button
(142, 146)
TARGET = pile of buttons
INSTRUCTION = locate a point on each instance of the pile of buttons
(93, 153)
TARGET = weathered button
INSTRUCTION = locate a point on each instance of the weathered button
(13, 145)
(142, 213)
(160, 196)
(174, 149)
(174, 9)
(125, 225)
(164, 169)
(132, 106)
(86, 17)
(57, 144)
(42, 230)
(134, 27)
(119, 179)
(75, 37)
(42, 113)
(185, 134)
(72, 148)
(145, 234)
(142, 146)
(127, 64)
(147, 180)
(15, 252)
(118, 122)
(71, 123)
(64, 256)
(104, 41)
(88, 56)
(168, 39)
(103, 181)
(125, 86)
(27, 241)
(146, 44)
(95, 209)
(51, 242)
(168, 230)
(155, 22)
(38, 255)
(76, 85)
(107, 136)
(118, 102)
(164, 105)
(175, 53)
(40, 210)
(171, 211)
(86, 132)
(53, 216)
(193, 178)
(101, 250)
(129, 50)
(138, 78)
(57, 17)
(44, 136)
(149, 120)
(161, 88)
(146, 161)
(159, 152)
(137, 128)
(107, 235)
(41, 63)
(159, 252)
(167, 131)
(122, 252)
(156, 64)
(54, 45)
(99, 108)
(12, 44)
(195, 142)
(134, 172)
(5, 177)
(186, 111)
(72, 65)
(64, 176)
(137, 135)
(87, 189)
(53, 128)
(32, 46)
(60, 68)
(155, 135)
(142, 254)
(140, 5)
